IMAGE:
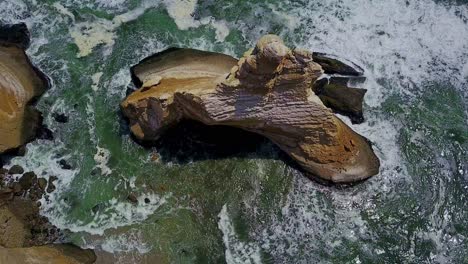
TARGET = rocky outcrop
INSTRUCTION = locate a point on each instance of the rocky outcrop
(268, 92)
(25, 235)
(21, 225)
(50, 254)
(20, 85)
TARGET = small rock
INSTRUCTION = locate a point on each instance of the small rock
(27, 180)
(51, 187)
(16, 169)
(147, 201)
(44, 133)
(59, 117)
(64, 165)
(155, 157)
(98, 207)
(42, 183)
(21, 151)
(132, 198)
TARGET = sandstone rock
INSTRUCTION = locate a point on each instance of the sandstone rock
(334, 66)
(13, 232)
(50, 254)
(267, 92)
(336, 94)
(20, 84)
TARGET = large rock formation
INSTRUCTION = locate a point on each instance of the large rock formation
(268, 91)
(20, 84)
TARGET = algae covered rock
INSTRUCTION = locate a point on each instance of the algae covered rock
(267, 92)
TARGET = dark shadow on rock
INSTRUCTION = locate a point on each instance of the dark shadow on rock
(342, 99)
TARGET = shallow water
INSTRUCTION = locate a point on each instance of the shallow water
(253, 207)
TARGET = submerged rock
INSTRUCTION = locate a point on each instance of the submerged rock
(336, 94)
(266, 92)
(60, 118)
(20, 85)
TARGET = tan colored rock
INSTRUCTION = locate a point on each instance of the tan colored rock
(268, 91)
(50, 254)
(20, 84)
(13, 232)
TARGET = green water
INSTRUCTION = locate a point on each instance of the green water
(414, 211)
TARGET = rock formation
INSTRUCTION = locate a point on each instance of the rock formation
(268, 92)
(25, 235)
(50, 254)
(20, 84)
(337, 95)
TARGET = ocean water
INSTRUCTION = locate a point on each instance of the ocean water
(252, 207)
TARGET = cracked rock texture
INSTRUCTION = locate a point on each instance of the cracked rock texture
(267, 91)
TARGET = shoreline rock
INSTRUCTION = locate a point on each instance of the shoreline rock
(21, 84)
(25, 235)
(268, 92)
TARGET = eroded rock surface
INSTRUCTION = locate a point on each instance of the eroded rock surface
(20, 84)
(268, 91)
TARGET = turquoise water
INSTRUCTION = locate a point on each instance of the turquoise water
(252, 207)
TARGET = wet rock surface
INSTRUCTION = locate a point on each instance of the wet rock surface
(335, 93)
(331, 65)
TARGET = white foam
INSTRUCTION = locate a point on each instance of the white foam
(237, 252)
(96, 78)
(128, 242)
(182, 13)
(112, 214)
(87, 35)
(64, 11)
(222, 29)
(101, 158)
